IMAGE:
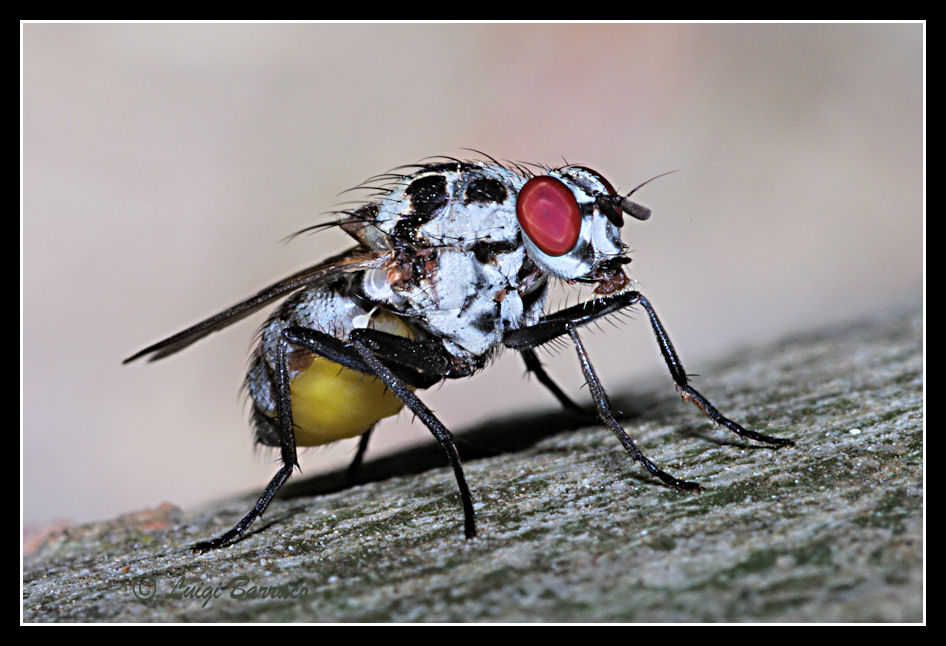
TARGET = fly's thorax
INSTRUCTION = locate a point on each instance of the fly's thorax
(466, 298)
(458, 204)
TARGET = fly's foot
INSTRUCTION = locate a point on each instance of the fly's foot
(205, 546)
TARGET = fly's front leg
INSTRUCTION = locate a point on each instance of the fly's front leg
(287, 447)
(569, 320)
(691, 394)
(606, 412)
(559, 324)
(566, 322)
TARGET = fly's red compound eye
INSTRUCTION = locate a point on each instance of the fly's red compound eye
(548, 213)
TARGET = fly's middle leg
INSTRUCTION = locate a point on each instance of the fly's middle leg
(399, 363)
(534, 366)
(356, 461)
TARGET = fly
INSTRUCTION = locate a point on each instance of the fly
(452, 265)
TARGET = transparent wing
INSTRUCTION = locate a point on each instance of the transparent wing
(355, 259)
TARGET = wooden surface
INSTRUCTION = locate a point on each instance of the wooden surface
(570, 529)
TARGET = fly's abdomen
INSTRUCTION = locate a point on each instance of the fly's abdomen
(329, 401)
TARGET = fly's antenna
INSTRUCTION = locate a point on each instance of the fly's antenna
(634, 209)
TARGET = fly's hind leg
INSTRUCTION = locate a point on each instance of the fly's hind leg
(344, 354)
(287, 447)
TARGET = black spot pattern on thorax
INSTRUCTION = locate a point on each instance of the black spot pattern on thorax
(485, 189)
(486, 252)
(485, 322)
(427, 195)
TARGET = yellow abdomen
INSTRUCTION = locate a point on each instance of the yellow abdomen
(331, 402)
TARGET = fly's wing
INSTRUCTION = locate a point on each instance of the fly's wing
(355, 259)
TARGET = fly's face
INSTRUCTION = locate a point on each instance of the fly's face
(571, 222)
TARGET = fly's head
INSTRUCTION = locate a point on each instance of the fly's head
(571, 221)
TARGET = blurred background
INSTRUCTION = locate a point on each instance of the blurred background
(163, 164)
